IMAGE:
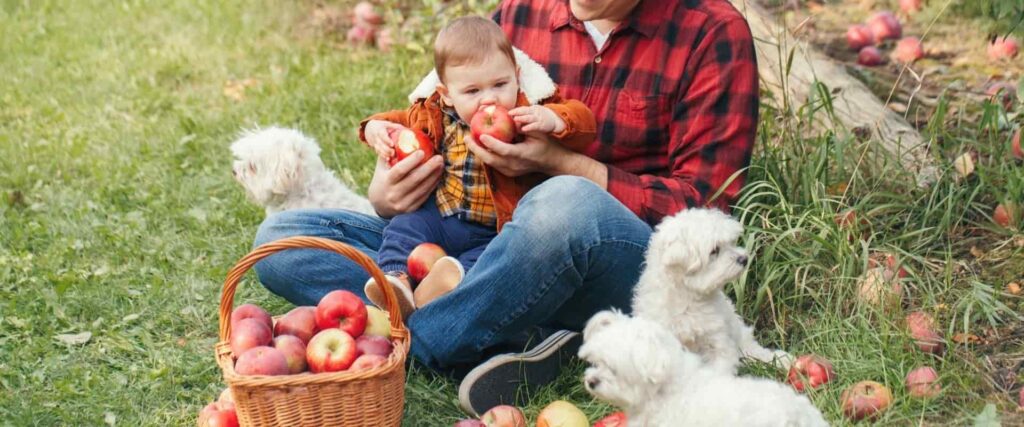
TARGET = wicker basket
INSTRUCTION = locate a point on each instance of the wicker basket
(373, 397)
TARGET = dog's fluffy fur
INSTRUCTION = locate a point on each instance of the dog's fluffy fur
(691, 256)
(281, 169)
(639, 366)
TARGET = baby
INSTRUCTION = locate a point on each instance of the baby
(476, 67)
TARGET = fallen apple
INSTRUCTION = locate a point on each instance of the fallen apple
(378, 322)
(810, 371)
(910, 7)
(341, 309)
(869, 56)
(408, 141)
(365, 14)
(908, 49)
(1015, 147)
(366, 362)
(248, 333)
(217, 414)
(250, 311)
(294, 350)
(865, 399)
(885, 25)
(1002, 48)
(924, 333)
(561, 414)
(359, 35)
(892, 265)
(923, 382)
(1005, 214)
(504, 416)
(1003, 93)
(616, 419)
(859, 37)
(493, 120)
(262, 360)
(330, 350)
(878, 287)
(300, 322)
(469, 423)
(421, 260)
(372, 344)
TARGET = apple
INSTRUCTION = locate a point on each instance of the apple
(879, 287)
(226, 396)
(493, 120)
(372, 344)
(385, 40)
(1015, 147)
(859, 37)
(504, 416)
(359, 35)
(561, 414)
(1004, 93)
(884, 26)
(922, 329)
(250, 311)
(248, 333)
(294, 351)
(262, 360)
(330, 350)
(1005, 214)
(869, 56)
(300, 322)
(865, 399)
(910, 6)
(616, 419)
(923, 382)
(813, 369)
(422, 259)
(378, 322)
(891, 263)
(469, 423)
(368, 361)
(1003, 48)
(341, 309)
(365, 14)
(217, 414)
(908, 49)
(408, 141)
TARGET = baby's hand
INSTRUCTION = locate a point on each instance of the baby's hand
(378, 135)
(537, 118)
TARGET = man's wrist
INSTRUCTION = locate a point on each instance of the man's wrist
(577, 164)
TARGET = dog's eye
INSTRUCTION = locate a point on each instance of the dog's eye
(714, 251)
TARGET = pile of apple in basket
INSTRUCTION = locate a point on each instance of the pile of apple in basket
(340, 334)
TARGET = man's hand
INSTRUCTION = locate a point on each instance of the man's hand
(537, 118)
(378, 136)
(536, 153)
(405, 186)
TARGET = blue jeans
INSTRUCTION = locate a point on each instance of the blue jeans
(570, 250)
(462, 239)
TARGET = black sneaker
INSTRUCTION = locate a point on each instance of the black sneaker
(498, 380)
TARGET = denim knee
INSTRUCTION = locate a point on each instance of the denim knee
(558, 205)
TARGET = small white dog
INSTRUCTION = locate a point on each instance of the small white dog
(691, 256)
(639, 366)
(281, 169)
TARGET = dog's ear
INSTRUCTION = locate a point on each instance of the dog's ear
(676, 254)
(650, 361)
(287, 170)
(600, 321)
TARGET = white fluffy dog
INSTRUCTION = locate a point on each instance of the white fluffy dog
(281, 169)
(639, 366)
(691, 256)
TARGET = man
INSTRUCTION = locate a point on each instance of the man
(673, 86)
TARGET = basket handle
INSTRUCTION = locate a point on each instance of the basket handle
(227, 296)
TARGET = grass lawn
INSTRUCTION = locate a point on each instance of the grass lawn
(119, 217)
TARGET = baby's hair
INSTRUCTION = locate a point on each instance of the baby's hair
(469, 40)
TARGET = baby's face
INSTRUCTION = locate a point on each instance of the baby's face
(471, 87)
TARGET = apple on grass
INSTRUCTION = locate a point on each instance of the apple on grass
(250, 311)
(248, 333)
(616, 419)
(378, 322)
(908, 49)
(923, 382)
(343, 310)
(891, 263)
(493, 120)
(367, 361)
(910, 6)
(880, 288)
(300, 322)
(865, 399)
(1015, 147)
(421, 260)
(359, 35)
(1005, 214)
(294, 351)
(1002, 48)
(869, 56)
(562, 414)
(218, 414)
(885, 26)
(922, 329)
(372, 344)
(262, 360)
(365, 14)
(1004, 93)
(408, 141)
(859, 37)
(810, 371)
(330, 350)
(504, 416)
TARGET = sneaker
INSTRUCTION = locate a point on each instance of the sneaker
(498, 380)
(403, 292)
(444, 276)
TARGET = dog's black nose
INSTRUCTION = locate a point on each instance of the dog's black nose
(592, 383)
(742, 260)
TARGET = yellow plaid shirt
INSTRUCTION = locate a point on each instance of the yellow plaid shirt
(464, 189)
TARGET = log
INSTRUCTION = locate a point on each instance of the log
(854, 104)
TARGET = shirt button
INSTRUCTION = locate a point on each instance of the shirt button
(597, 60)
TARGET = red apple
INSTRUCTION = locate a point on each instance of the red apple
(504, 416)
(879, 287)
(869, 56)
(859, 37)
(562, 414)
(250, 311)
(910, 6)
(422, 259)
(330, 350)
(217, 414)
(865, 399)
(372, 344)
(300, 322)
(892, 265)
(408, 141)
(1004, 93)
(617, 419)
(341, 309)
(377, 322)
(922, 329)
(1015, 147)
(365, 14)
(923, 382)
(493, 120)
(469, 423)
(294, 351)
(1005, 214)
(909, 49)
(368, 361)
(815, 370)
(359, 35)
(248, 333)
(262, 360)
(884, 26)
(1003, 48)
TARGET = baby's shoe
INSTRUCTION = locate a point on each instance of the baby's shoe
(403, 292)
(444, 276)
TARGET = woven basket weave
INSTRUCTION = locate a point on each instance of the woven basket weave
(373, 397)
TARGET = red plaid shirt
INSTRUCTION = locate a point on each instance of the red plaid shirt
(674, 91)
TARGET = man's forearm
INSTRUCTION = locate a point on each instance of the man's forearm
(580, 165)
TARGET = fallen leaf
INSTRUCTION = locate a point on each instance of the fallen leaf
(964, 165)
(977, 253)
(74, 339)
(963, 338)
(1013, 288)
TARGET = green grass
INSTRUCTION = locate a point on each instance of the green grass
(118, 216)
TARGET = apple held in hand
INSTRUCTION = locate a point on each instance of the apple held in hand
(294, 351)
(923, 382)
(262, 360)
(250, 311)
(810, 371)
(562, 414)
(504, 416)
(617, 419)
(422, 259)
(218, 414)
(300, 322)
(330, 350)
(493, 120)
(408, 141)
(248, 333)
(343, 310)
(865, 399)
